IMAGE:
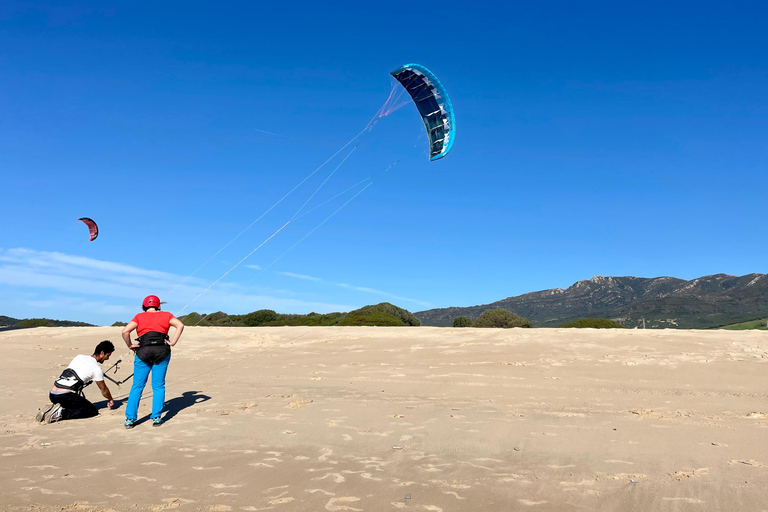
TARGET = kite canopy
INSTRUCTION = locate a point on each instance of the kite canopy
(92, 227)
(434, 106)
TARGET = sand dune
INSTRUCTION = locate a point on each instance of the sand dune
(375, 419)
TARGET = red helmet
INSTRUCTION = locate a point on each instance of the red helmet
(151, 301)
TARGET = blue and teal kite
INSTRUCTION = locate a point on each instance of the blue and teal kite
(434, 106)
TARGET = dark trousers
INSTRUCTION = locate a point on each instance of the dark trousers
(74, 406)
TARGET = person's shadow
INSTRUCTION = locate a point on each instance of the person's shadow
(102, 404)
(175, 405)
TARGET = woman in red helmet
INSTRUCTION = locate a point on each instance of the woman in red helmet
(153, 353)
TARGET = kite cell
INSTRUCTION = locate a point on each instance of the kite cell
(92, 227)
(434, 106)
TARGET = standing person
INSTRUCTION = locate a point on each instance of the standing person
(67, 399)
(153, 353)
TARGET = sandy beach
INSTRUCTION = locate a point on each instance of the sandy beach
(375, 419)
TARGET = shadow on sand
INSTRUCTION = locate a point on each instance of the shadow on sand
(175, 405)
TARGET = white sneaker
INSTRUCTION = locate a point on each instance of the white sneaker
(42, 412)
(54, 414)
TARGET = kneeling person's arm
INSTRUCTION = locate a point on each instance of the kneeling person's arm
(105, 393)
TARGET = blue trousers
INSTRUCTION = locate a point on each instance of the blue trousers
(141, 372)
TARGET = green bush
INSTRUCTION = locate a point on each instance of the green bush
(593, 323)
(119, 324)
(463, 321)
(191, 318)
(501, 318)
(34, 322)
(259, 317)
(361, 317)
(312, 319)
(403, 314)
(380, 314)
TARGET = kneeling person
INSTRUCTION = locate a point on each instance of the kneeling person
(67, 399)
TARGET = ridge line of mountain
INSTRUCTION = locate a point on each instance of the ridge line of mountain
(658, 302)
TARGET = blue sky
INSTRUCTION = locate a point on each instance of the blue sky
(593, 138)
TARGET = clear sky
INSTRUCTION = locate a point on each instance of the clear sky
(593, 138)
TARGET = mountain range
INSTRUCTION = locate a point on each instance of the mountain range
(660, 302)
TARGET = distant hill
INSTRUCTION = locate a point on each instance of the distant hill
(663, 302)
(7, 322)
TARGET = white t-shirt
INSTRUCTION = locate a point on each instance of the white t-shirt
(86, 367)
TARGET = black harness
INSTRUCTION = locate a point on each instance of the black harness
(153, 347)
(69, 379)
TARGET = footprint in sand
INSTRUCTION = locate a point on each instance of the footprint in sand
(333, 507)
(44, 491)
(512, 477)
(433, 468)
(314, 470)
(337, 477)
(313, 491)
(682, 475)
(299, 404)
(273, 489)
(171, 504)
(624, 476)
(137, 478)
(280, 501)
(748, 462)
(532, 503)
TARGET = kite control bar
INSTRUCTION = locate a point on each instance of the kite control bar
(116, 367)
